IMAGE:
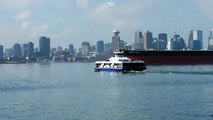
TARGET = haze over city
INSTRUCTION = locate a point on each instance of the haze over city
(75, 21)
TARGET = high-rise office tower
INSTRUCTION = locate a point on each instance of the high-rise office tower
(44, 47)
(107, 46)
(92, 48)
(30, 49)
(122, 44)
(100, 46)
(139, 43)
(8, 53)
(163, 37)
(159, 44)
(24, 50)
(210, 42)
(148, 40)
(195, 40)
(60, 49)
(53, 51)
(71, 49)
(177, 43)
(85, 48)
(16, 50)
(116, 40)
(1, 52)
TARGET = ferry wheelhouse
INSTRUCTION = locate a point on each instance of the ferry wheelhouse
(119, 63)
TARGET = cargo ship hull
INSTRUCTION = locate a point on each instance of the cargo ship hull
(172, 57)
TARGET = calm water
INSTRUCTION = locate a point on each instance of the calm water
(73, 91)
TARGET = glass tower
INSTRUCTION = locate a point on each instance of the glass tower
(44, 46)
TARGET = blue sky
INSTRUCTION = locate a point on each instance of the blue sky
(74, 21)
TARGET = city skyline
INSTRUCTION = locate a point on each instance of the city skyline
(72, 22)
(151, 39)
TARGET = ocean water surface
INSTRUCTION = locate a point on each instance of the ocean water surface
(73, 91)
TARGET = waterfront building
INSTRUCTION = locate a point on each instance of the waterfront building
(163, 37)
(159, 44)
(139, 43)
(128, 47)
(16, 51)
(24, 49)
(85, 48)
(53, 51)
(195, 40)
(210, 41)
(8, 53)
(177, 42)
(36, 50)
(107, 46)
(122, 44)
(1, 52)
(115, 40)
(79, 52)
(30, 49)
(148, 40)
(71, 49)
(100, 46)
(60, 50)
(92, 48)
(44, 47)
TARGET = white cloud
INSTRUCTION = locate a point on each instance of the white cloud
(23, 15)
(82, 3)
(119, 14)
(34, 30)
(26, 25)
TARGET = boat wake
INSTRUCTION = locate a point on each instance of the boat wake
(183, 72)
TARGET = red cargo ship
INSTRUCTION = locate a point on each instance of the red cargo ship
(171, 57)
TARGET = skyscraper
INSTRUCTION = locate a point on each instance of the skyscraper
(116, 40)
(60, 49)
(71, 49)
(210, 42)
(139, 43)
(163, 37)
(16, 50)
(159, 44)
(44, 46)
(1, 52)
(196, 40)
(177, 42)
(30, 49)
(148, 40)
(24, 49)
(100, 46)
(85, 48)
(8, 53)
(107, 46)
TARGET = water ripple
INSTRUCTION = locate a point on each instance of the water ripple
(183, 72)
(25, 84)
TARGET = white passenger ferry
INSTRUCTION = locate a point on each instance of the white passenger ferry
(119, 63)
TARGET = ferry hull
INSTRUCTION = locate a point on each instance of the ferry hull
(172, 57)
(126, 67)
(108, 70)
